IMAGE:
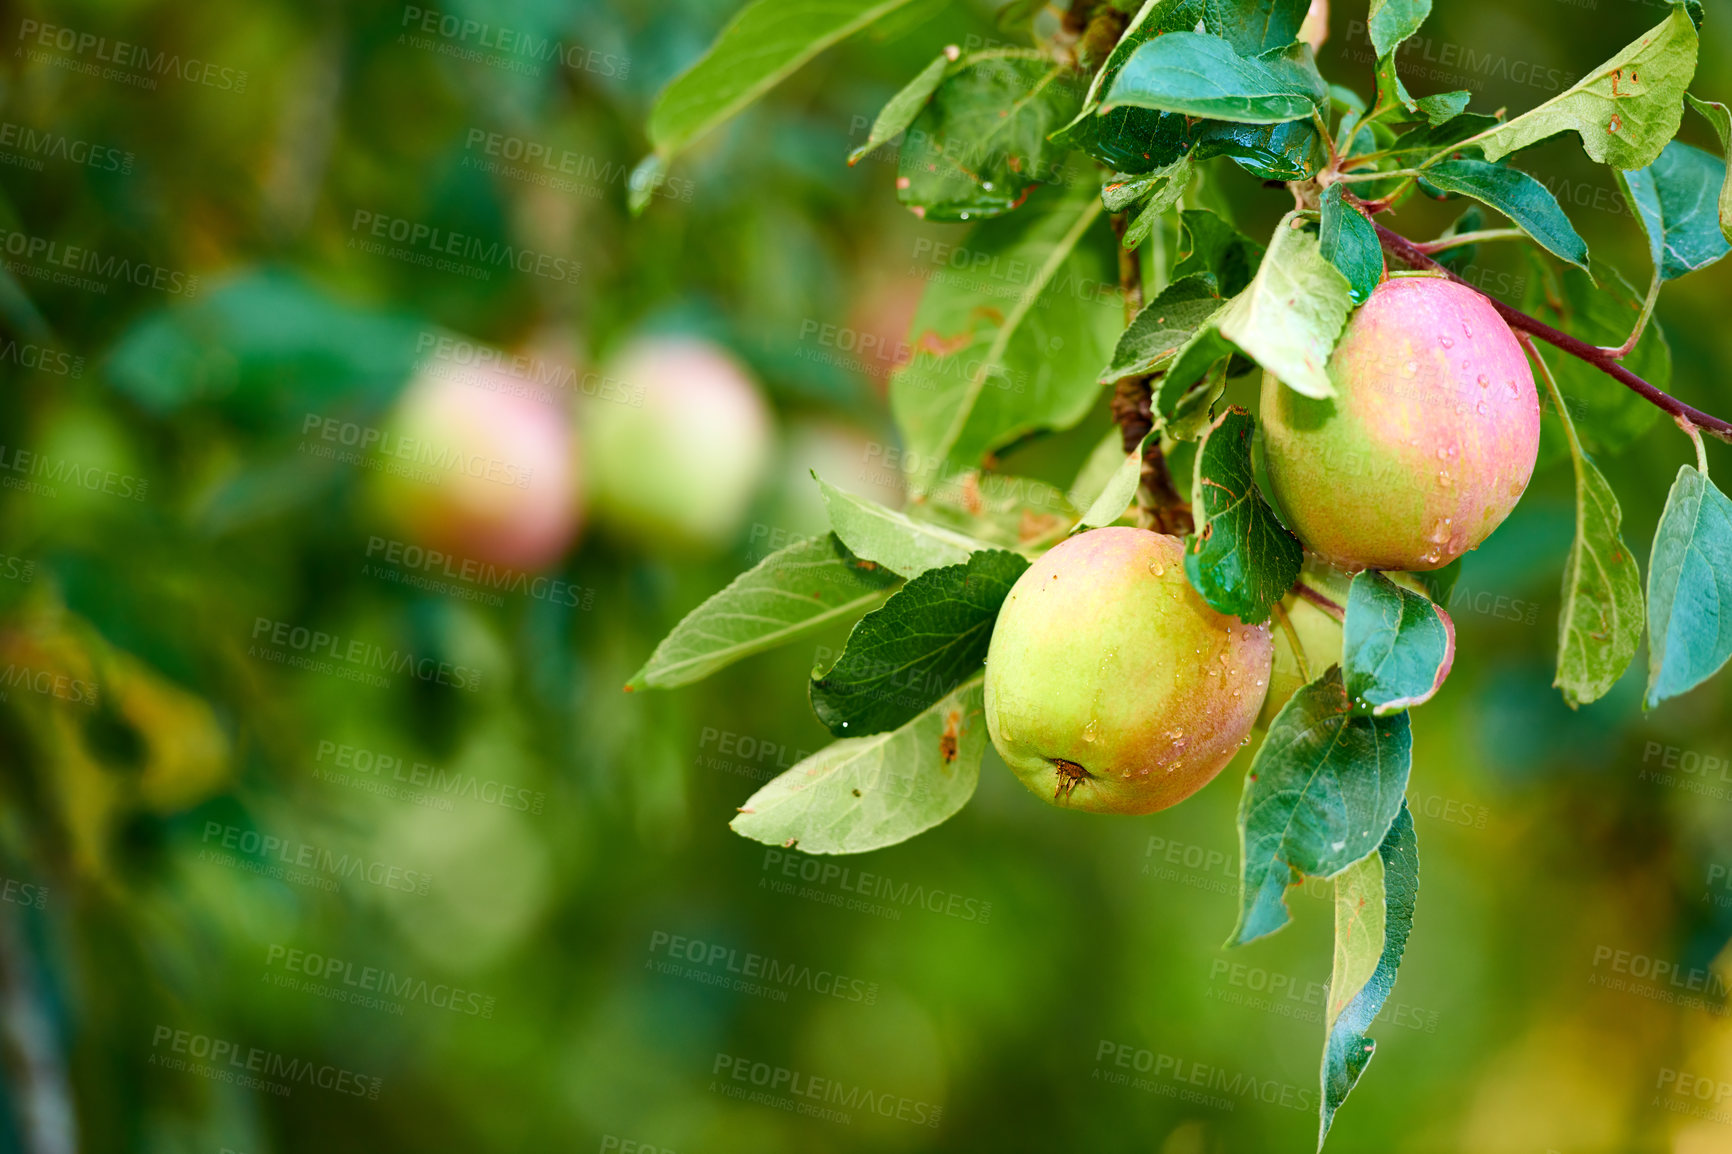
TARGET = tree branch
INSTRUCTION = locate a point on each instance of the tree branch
(1159, 506)
(1602, 359)
(1324, 603)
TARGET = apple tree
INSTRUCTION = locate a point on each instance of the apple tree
(1215, 574)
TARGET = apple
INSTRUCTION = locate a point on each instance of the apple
(480, 465)
(1429, 442)
(679, 443)
(1111, 686)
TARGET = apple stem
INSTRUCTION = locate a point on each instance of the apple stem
(1695, 435)
(1410, 253)
(1624, 349)
(1320, 601)
(1460, 239)
(1292, 641)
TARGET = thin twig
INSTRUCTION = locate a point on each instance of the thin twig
(1292, 641)
(1320, 601)
(1410, 253)
(1444, 243)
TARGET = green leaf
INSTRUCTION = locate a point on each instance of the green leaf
(1291, 315)
(1190, 369)
(1133, 139)
(996, 508)
(1122, 190)
(1600, 624)
(1527, 202)
(1097, 472)
(1120, 491)
(1208, 244)
(1608, 417)
(1194, 411)
(1292, 150)
(985, 138)
(1443, 107)
(1164, 325)
(1676, 199)
(762, 46)
(790, 594)
(1721, 119)
(1200, 75)
(1374, 904)
(1155, 18)
(1349, 242)
(895, 117)
(1392, 22)
(1397, 646)
(1391, 92)
(1255, 26)
(1164, 192)
(1241, 559)
(891, 539)
(1422, 143)
(1013, 348)
(928, 638)
(1689, 588)
(865, 793)
(1321, 793)
(1624, 111)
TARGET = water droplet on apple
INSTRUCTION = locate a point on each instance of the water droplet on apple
(1447, 342)
(1482, 408)
(1484, 381)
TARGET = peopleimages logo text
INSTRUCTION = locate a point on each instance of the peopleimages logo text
(302, 855)
(310, 644)
(232, 1058)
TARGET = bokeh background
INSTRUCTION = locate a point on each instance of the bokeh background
(281, 795)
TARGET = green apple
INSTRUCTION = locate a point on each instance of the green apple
(679, 442)
(1426, 447)
(1111, 686)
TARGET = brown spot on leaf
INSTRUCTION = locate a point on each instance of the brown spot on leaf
(948, 739)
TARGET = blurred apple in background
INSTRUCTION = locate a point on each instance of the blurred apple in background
(483, 465)
(679, 440)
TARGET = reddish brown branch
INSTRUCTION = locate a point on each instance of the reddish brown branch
(1319, 600)
(1414, 257)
